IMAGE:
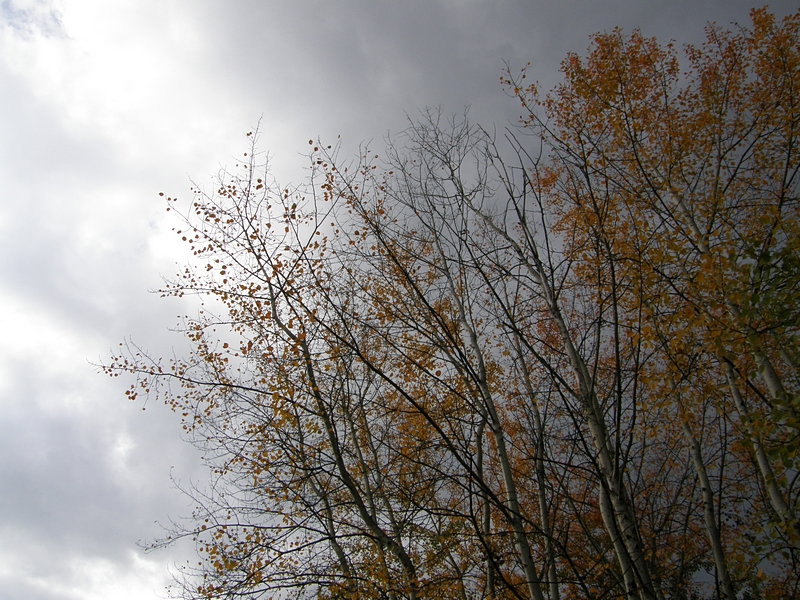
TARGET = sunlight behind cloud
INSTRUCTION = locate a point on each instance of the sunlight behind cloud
(129, 71)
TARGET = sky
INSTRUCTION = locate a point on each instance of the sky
(106, 103)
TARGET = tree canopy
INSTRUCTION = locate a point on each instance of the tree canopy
(558, 362)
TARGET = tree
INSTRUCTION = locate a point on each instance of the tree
(695, 187)
(559, 364)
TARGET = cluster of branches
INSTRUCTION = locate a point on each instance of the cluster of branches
(560, 364)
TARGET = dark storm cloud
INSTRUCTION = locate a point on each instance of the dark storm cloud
(106, 104)
(358, 68)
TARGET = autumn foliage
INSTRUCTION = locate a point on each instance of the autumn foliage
(560, 364)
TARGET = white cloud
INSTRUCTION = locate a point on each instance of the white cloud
(79, 577)
(30, 17)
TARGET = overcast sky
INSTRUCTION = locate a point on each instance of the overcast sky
(106, 103)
